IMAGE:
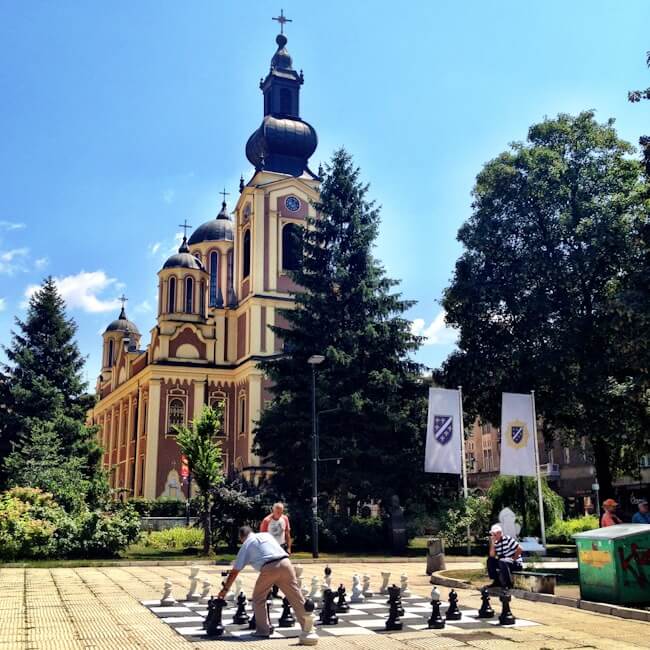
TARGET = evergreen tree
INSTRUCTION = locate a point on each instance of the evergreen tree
(347, 312)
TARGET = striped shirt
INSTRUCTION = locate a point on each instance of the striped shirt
(505, 548)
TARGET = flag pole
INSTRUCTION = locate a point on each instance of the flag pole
(464, 461)
(542, 523)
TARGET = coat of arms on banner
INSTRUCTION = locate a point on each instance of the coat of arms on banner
(443, 427)
(517, 434)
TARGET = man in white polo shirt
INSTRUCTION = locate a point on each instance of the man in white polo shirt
(264, 554)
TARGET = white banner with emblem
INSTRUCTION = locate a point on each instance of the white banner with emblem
(518, 438)
(444, 428)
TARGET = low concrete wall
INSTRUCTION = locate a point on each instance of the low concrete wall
(163, 523)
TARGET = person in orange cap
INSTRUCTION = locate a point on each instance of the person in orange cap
(609, 517)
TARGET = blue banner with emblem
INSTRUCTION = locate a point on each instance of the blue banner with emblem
(517, 435)
(444, 428)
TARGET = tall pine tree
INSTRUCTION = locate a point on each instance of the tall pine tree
(349, 313)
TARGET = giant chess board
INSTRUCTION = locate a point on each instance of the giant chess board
(365, 618)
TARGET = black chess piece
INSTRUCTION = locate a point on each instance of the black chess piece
(251, 624)
(210, 614)
(341, 604)
(241, 617)
(214, 625)
(506, 617)
(486, 610)
(328, 612)
(275, 592)
(436, 622)
(453, 613)
(286, 618)
(393, 621)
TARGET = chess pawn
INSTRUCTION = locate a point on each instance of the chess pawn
(385, 577)
(506, 617)
(486, 610)
(167, 597)
(286, 618)
(205, 592)
(315, 593)
(357, 594)
(404, 586)
(308, 636)
(367, 593)
(436, 622)
(193, 593)
(453, 613)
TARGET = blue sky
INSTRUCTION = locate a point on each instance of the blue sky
(121, 120)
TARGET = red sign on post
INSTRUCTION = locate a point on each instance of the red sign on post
(185, 469)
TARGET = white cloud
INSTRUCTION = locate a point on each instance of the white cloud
(437, 333)
(11, 225)
(41, 262)
(81, 291)
(154, 248)
(173, 248)
(144, 306)
(12, 261)
(168, 195)
(3, 304)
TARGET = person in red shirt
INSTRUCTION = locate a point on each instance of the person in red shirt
(609, 517)
(277, 524)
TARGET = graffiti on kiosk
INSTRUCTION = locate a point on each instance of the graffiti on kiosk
(639, 556)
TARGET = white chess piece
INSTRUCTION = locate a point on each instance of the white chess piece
(308, 636)
(205, 593)
(435, 594)
(367, 593)
(231, 595)
(385, 577)
(404, 586)
(299, 571)
(238, 586)
(167, 597)
(193, 593)
(328, 581)
(315, 593)
(357, 595)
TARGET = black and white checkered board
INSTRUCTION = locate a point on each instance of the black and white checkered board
(368, 617)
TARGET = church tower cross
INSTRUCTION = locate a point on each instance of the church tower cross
(282, 20)
(185, 226)
(224, 194)
(123, 299)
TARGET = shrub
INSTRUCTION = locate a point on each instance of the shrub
(561, 532)
(473, 512)
(352, 533)
(103, 534)
(174, 539)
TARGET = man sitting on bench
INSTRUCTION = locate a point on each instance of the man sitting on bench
(503, 558)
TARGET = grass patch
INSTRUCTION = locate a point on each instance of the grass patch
(566, 577)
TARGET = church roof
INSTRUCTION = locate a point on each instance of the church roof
(122, 324)
(184, 259)
(219, 229)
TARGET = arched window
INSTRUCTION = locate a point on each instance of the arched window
(202, 299)
(176, 416)
(109, 361)
(214, 275)
(246, 263)
(242, 414)
(189, 295)
(171, 293)
(285, 101)
(291, 247)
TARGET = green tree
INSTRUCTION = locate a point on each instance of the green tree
(348, 312)
(553, 236)
(204, 461)
(635, 96)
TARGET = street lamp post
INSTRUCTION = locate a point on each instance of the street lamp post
(314, 361)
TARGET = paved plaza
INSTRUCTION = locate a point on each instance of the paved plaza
(99, 608)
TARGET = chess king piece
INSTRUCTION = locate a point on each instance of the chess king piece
(486, 610)
(286, 618)
(393, 621)
(436, 622)
(506, 617)
(205, 592)
(404, 586)
(328, 613)
(341, 604)
(328, 577)
(213, 624)
(241, 617)
(385, 577)
(308, 636)
(167, 597)
(367, 592)
(357, 593)
(193, 593)
(315, 593)
(453, 613)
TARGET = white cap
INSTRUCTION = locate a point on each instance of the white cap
(496, 528)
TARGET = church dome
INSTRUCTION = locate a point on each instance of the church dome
(122, 324)
(219, 229)
(183, 259)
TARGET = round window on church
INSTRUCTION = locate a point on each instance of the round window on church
(292, 203)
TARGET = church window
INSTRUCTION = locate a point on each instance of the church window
(220, 400)
(214, 275)
(285, 101)
(176, 414)
(291, 247)
(242, 414)
(230, 266)
(172, 295)
(246, 262)
(202, 299)
(110, 353)
(189, 295)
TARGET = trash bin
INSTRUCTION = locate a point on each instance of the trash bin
(435, 555)
(614, 564)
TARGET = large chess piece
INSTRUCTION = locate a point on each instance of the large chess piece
(238, 588)
(308, 636)
(486, 610)
(404, 586)
(205, 592)
(328, 613)
(453, 613)
(328, 577)
(436, 622)
(385, 577)
(286, 618)
(315, 593)
(367, 592)
(241, 617)
(275, 592)
(299, 571)
(393, 621)
(341, 604)
(193, 593)
(213, 624)
(251, 624)
(357, 593)
(167, 597)
(506, 617)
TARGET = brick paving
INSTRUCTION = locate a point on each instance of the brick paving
(99, 609)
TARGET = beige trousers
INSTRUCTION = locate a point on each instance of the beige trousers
(280, 573)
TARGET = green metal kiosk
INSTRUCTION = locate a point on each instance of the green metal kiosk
(614, 564)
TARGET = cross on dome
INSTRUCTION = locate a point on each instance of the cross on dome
(282, 20)
(123, 299)
(185, 226)
(224, 194)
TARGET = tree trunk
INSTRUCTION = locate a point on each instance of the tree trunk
(603, 463)
(207, 525)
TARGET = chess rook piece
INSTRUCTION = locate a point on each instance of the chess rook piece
(328, 613)
(167, 597)
(213, 624)
(506, 617)
(357, 593)
(241, 617)
(393, 621)
(193, 593)
(315, 593)
(367, 592)
(205, 592)
(286, 618)
(341, 604)
(404, 586)
(486, 610)
(453, 613)
(308, 636)
(385, 577)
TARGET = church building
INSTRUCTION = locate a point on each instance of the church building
(217, 298)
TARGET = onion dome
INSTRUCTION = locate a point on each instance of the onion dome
(219, 229)
(122, 324)
(183, 259)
